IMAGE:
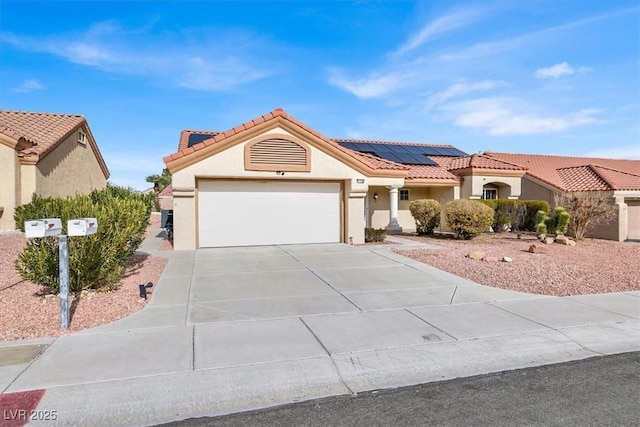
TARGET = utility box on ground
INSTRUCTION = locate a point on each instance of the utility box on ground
(82, 226)
(42, 227)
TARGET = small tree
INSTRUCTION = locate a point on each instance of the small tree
(426, 214)
(587, 209)
(159, 181)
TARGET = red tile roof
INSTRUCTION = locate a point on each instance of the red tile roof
(480, 161)
(166, 191)
(377, 141)
(278, 112)
(577, 173)
(440, 171)
(42, 130)
(380, 163)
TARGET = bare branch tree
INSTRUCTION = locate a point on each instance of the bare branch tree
(587, 209)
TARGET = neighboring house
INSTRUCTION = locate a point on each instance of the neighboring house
(274, 180)
(549, 175)
(46, 154)
(165, 197)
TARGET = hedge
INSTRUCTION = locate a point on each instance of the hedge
(516, 214)
(95, 261)
(374, 235)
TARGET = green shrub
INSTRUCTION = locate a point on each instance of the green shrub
(533, 206)
(374, 235)
(426, 214)
(468, 218)
(95, 261)
(508, 214)
(556, 223)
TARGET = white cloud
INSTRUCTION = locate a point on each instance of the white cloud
(374, 86)
(559, 70)
(29, 85)
(178, 59)
(459, 89)
(510, 116)
(438, 26)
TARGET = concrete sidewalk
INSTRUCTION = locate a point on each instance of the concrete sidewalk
(236, 329)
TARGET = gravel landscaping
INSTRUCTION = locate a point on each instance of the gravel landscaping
(25, 313)
(592, 266)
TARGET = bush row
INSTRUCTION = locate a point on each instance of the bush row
(95, 261)
(516, 214)
(374, 235)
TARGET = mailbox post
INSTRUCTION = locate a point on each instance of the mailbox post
(53, 227)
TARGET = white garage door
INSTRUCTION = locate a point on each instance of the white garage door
(247, 213)
(633, 219)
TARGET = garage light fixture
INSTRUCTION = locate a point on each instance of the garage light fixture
(375, 196)
(280, 173)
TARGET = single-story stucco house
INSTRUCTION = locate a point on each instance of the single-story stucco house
(45, 154)
(274, 180)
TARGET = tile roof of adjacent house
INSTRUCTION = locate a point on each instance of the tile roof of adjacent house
(577, 173)
(166, 191)
(480, 161)
(44, 131)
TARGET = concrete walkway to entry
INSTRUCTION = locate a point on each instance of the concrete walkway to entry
(236, 329)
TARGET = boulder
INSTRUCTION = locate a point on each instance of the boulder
(479, 255)
(548, 240)
(507, 259)
(491, 259)
(563, 240)
(536, 249)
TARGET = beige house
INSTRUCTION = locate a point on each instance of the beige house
(274, 180)
(548, 175)
(46, 154)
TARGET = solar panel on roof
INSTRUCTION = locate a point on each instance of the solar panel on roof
(349, 145)
(196, 138)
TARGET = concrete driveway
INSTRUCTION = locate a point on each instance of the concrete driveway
(235, 329)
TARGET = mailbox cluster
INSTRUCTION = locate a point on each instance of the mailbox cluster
(36, 228)
(53, 227)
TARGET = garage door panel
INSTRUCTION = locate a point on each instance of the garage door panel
(245, 213)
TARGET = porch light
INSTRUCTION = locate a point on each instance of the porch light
(375, 196)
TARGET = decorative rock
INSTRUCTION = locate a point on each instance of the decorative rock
(563, 240)
(491, 259)
(476, 255)
(571, 242)
(507, 259)
(548, 240)
(535, 249)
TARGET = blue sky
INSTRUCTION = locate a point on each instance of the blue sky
(557, 77)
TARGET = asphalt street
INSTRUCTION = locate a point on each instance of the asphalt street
(599, 391)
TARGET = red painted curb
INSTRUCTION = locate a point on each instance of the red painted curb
(17, 409)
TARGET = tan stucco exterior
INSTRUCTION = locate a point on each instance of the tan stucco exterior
(508, 185)
(68, 168)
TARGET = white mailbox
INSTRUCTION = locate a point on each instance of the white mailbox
(82, 226)
(42, 227)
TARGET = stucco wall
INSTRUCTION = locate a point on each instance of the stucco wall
(508, 186)
(68, 169)
(9, 186)
(379, 210)
(534, 191)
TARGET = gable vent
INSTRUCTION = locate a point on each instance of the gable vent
(277, 154)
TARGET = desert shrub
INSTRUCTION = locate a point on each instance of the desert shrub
(586, 209)
(468, 218)
(374, 235)
(95, 261)
(426, 214)
(556, 223)
(508, 214)
(533, 206)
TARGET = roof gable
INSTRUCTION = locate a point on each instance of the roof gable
(220, 141)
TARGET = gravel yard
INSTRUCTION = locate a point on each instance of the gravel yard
(591, 267)
(24, 313)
